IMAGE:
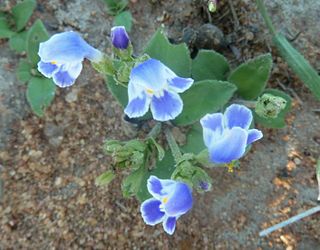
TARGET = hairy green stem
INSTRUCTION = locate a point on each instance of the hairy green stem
(155, 131)
(173, 145)
(266, 17)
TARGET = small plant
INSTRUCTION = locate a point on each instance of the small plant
(40, 90)
(165, 85)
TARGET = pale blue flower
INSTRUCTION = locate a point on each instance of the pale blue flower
(154, 84)
(228, 135)
(62, 55)
(171, 199)
(119, 37)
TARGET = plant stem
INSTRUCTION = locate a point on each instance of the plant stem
(155, 131)
(266, 17)
(173, 145)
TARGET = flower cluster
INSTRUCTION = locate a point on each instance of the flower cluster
(153, 85)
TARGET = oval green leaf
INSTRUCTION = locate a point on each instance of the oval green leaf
(36, 34)
(251, 77)
(22, 12)
(204, 97)
(176, 57)
(40, 93)
(209, 65)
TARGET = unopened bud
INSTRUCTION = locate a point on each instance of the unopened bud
(269, 106)
(212, 5)
(119, 37)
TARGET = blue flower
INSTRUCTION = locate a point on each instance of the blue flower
(227, 135)
(119, 37)
(153, 84)
(171, 199)
(62, 55)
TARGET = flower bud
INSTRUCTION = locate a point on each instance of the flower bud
(212, 5)
(120, 38)
(269, 106)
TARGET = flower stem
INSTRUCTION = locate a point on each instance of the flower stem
(173, 145)
(155, 131)
(266, 17)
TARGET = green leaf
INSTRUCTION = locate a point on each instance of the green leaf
(124, 19)
(159, 148)
(204, 97)
(40, 93)
(5, 31)
(117, 90)
(22, 12)
(116, 6)
(36, 34)
(209, 65)
(163, 170)
(18, 42)
(176, 57)
(105, 178)
(132, 183)
(251, 77)
(299, 64)
(278, 122)
(24, 71)
(195, 142)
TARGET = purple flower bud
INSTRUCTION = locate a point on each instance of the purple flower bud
(119, 37)
(204, 185)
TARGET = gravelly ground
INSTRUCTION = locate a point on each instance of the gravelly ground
(48, 165)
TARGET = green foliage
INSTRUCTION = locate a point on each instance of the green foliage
(251, 77)
(40, 93)
(22, 13)
(176, 57)
(124, 19)
(163, 169)
(204, 97)
(279, 121)
(195, 142)
(37, 34)
(299, 64)
(5, 31)
(118, 91)
(209, 65)
(105, 178)
(116, 6)
(24, 71)
(17, 41)
(133, 182)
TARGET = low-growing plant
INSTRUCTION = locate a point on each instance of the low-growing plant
(203, 96)
(13, 26)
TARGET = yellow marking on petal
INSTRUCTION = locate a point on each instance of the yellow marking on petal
(54, 62)
(165, 200)
(150, 91)
(230, 167)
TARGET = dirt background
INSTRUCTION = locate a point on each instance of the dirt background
(48, 199)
